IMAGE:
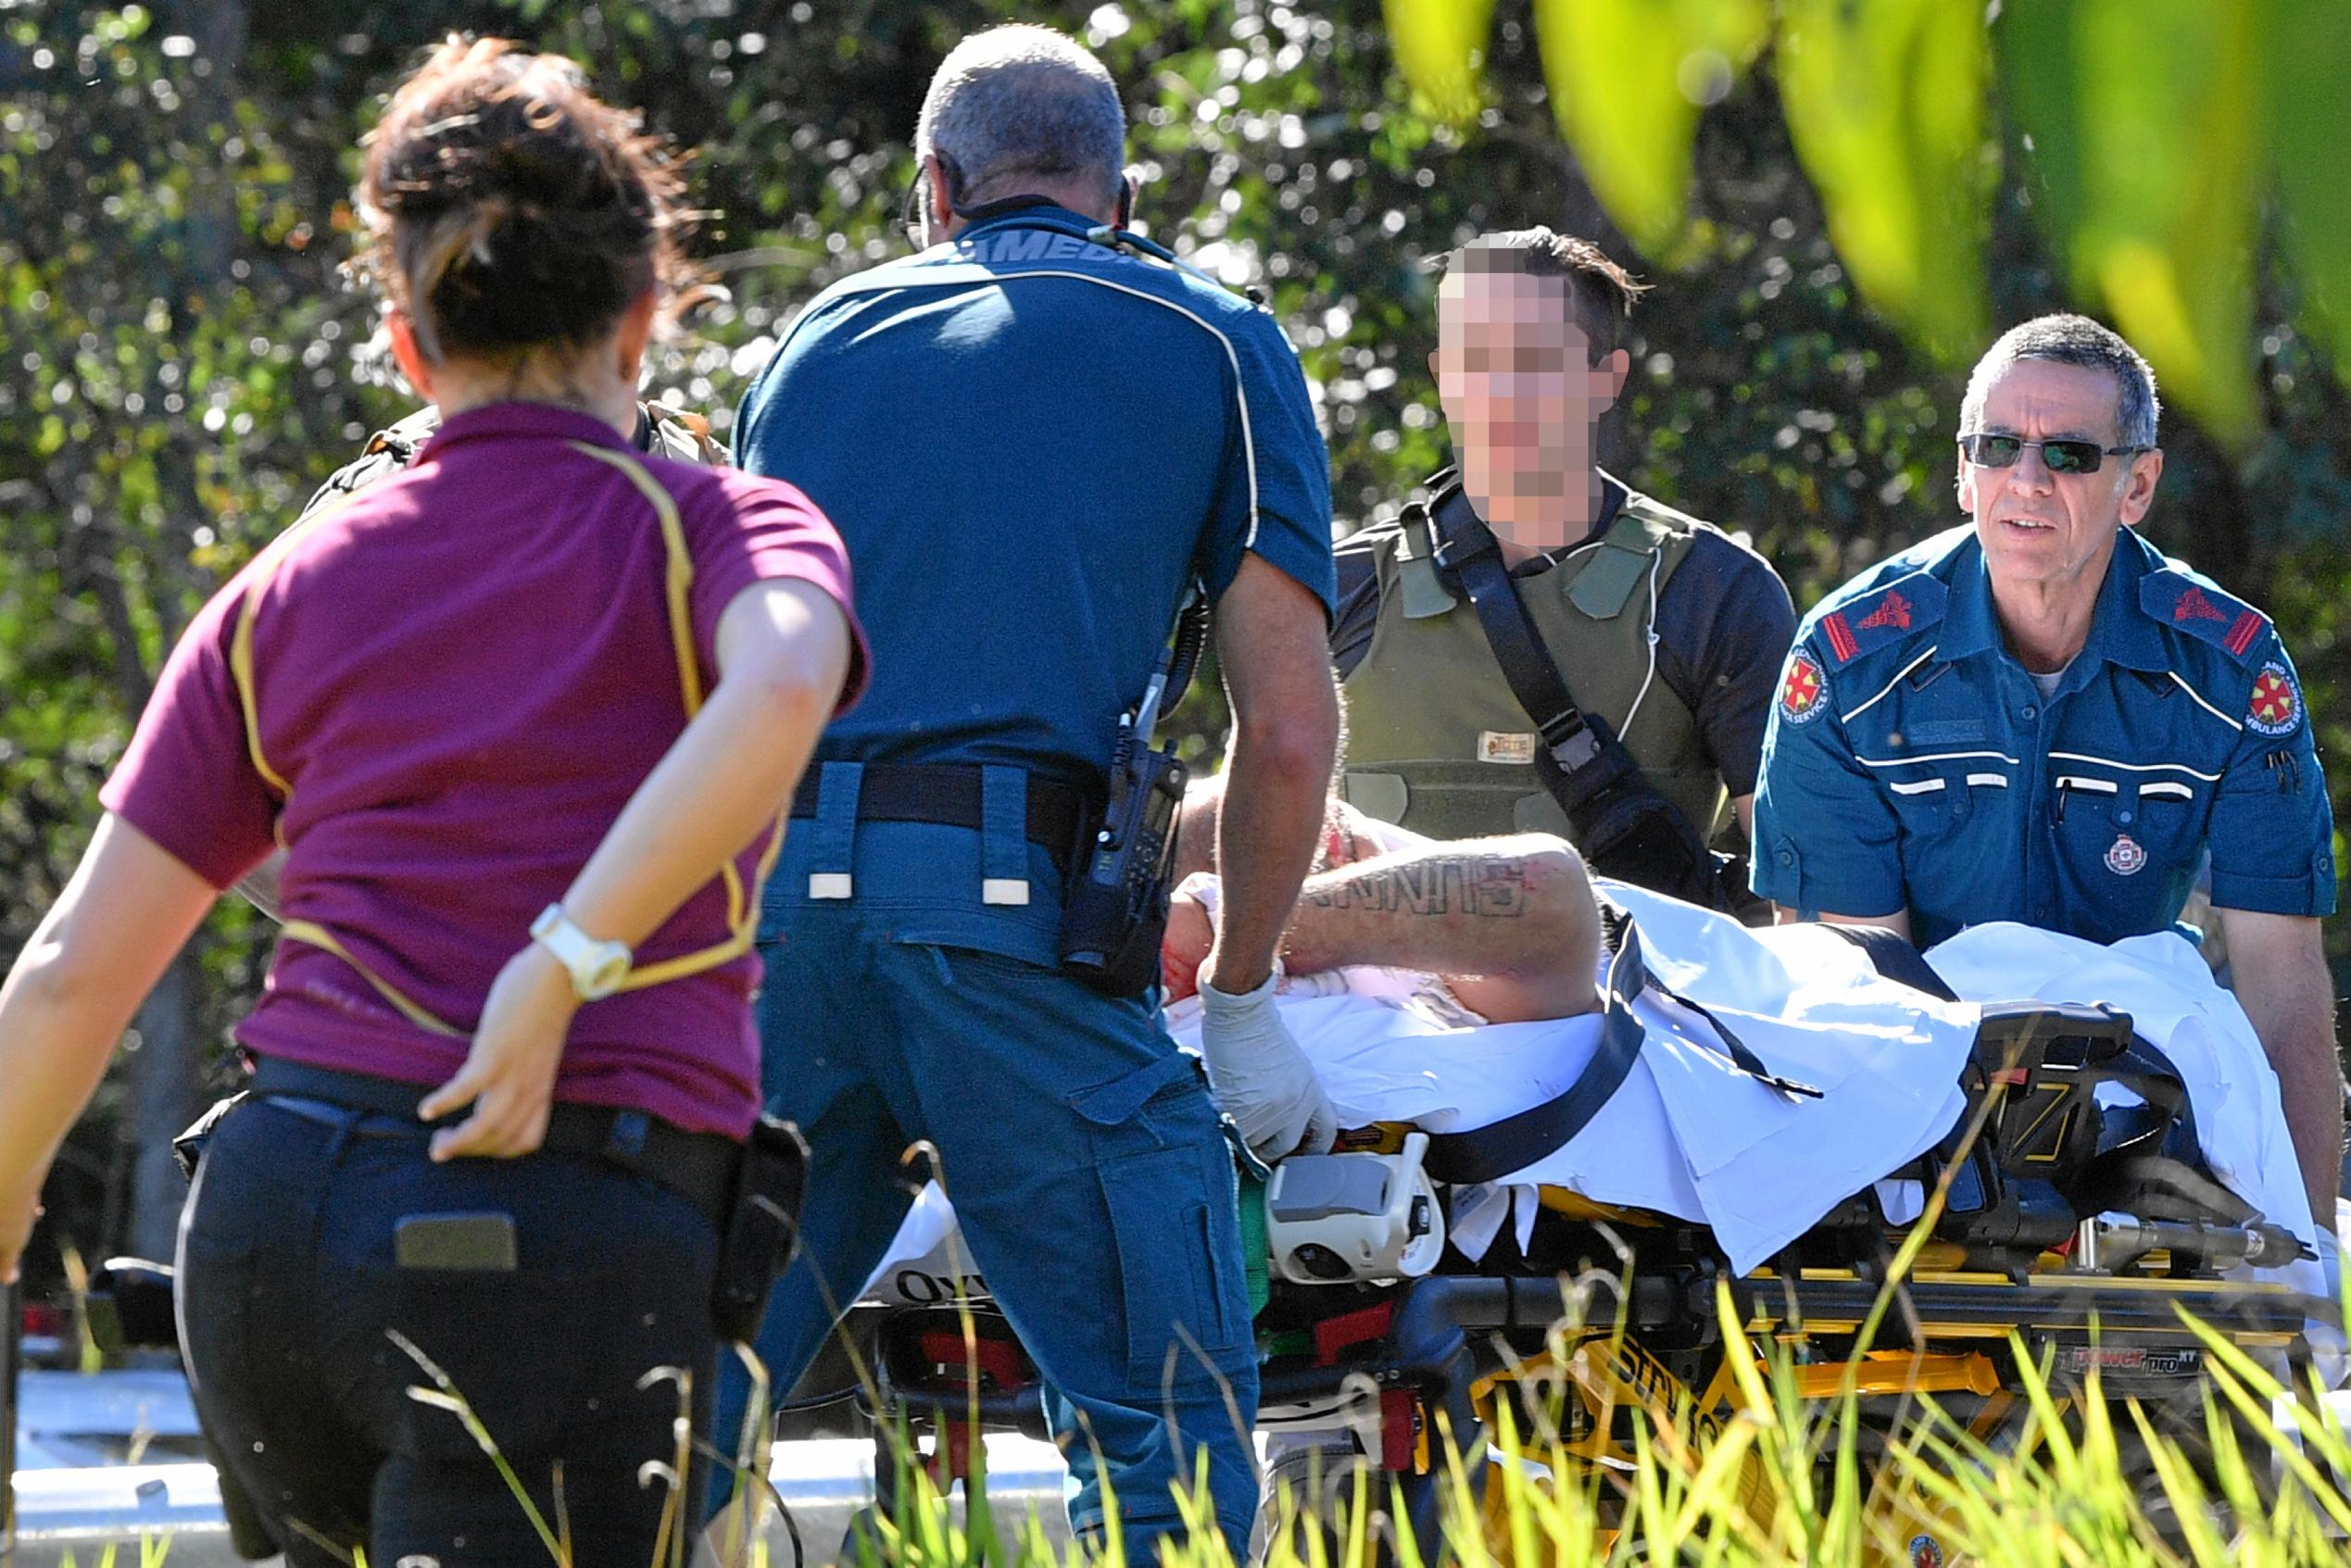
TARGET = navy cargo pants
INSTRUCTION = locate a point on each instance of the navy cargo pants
(1082, 1153)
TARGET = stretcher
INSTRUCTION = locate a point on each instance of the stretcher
(2075, 1217)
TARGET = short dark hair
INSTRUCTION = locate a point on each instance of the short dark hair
(1600, 291)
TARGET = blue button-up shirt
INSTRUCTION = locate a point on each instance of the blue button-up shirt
(1911, 762)
(1032, 442)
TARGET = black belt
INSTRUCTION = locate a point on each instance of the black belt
(698, 1167)
(1484, 1154)
(948, 794)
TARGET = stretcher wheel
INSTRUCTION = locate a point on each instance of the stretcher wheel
(1311, 1489)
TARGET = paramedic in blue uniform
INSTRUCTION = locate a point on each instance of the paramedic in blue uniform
(2042, 718)
(1033, 437)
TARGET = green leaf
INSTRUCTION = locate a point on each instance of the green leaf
(2144, 130)
(1885, 102)
(2310, 60)
(1441, 44)
(1627, 79)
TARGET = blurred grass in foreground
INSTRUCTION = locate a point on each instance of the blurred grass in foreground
(2091, 1484)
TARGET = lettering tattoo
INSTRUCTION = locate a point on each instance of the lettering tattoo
(1477, 887)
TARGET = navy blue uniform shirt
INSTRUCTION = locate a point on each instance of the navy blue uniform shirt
(1912, 763)
(1031, 441)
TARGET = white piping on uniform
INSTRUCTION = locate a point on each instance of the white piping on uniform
(1923, 787)
(1934, 757)
(2168, 789)
(1999, 781)
(2095, 786)
(2233, 724)
(1849, 717)
(1240, 391)
(2133, 767)
(1650, 632)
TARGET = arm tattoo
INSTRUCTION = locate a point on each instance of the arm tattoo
(1475, 885)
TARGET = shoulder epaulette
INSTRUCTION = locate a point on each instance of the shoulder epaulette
(1907, 605)
(2186, 602)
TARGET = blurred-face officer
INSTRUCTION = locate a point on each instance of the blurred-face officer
(1660, 624)
(2041, 718)
(1034, 436)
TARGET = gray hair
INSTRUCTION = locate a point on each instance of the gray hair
(2072, 339)
(1022, 101)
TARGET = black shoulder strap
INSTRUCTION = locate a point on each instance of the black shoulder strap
(1892, 955)
(1487, 1153)
(1622, 826)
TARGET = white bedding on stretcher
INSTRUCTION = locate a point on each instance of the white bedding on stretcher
(1689, 1135)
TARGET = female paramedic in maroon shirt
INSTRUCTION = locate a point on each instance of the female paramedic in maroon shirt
(524, 719)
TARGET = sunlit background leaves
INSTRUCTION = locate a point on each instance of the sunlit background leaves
(1837, 203)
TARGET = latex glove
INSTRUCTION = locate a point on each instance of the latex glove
(509, 1077)
(1261, 1079)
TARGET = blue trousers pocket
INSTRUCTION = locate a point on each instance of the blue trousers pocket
(1167, 1183)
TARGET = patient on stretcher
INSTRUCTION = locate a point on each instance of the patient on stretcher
(1455, 986)
(1452, 986)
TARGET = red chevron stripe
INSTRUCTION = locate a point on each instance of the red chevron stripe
(1841, 641)
(2241, 636)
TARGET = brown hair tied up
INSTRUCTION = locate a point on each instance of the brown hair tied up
(507, 208)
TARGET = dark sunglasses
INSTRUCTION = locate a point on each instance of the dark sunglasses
(2062, 456)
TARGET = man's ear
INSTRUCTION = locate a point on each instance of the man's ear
(1615, 369)
(2139, 488)
(937, 199)
(636, 332)
(408, 353)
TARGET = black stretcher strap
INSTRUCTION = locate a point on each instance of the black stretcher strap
(1892, 955)
(949, 795)
(1487, 1153)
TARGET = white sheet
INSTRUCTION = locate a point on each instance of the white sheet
(1689, 1135)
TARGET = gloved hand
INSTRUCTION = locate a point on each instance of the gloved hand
(1261, 1079)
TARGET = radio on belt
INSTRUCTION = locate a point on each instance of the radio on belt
(1337, 1219)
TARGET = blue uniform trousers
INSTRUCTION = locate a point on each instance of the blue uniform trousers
(1084, 1160)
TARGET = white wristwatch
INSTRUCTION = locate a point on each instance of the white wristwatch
(597, 968)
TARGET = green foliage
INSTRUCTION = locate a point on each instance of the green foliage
(183, 362)
(2148, 132)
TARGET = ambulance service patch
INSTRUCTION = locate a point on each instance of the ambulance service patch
(1803, 693)
(2126, 855)
(1925, 1552)
(2276, 706)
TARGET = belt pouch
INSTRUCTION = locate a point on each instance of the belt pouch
(187, 1149)
(761, 1225)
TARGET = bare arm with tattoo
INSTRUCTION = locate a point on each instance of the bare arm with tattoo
(1511, 923)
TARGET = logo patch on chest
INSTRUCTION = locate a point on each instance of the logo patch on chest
(1497, 746)
(2126, 855)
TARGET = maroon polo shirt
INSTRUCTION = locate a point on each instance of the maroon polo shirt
(464, 673)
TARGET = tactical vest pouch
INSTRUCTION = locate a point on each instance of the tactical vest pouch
(1623, 826)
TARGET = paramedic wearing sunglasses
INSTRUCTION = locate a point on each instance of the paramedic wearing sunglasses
(1034, 436)
(2042, 718)
(524, 717)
